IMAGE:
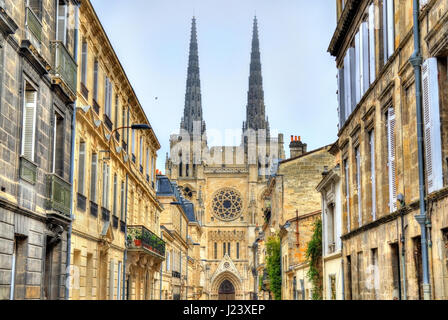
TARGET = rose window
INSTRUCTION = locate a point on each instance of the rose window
(227, 204)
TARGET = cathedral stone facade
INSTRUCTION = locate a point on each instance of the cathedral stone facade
(225, 183)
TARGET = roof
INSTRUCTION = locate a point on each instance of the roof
(166, 187)
(305, 154)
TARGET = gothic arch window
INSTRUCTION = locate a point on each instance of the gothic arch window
(227, 204)
(188, 193)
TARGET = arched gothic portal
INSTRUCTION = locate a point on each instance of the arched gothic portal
(226, 291)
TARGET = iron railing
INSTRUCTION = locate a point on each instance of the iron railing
(141, 238)
(81, 202)
(93, 209)
(105, 214)
(64, 66)
(59, 192)
(28, 170)
(34, 26)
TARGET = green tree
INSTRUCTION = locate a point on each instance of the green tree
(314, 258)
(273, 266)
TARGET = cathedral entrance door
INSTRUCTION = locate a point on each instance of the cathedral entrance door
(226, 291)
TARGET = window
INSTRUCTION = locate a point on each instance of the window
(390, 116)
(418, 269)
(152, 169)
(358, 184)
(359, 273)
(228, 249)
(388, 29)
(330, 229)
(224, 247)
(396, 271)
(95, 81)
(215, 251)
(347, 192)
(432, 125)
(29, 122)
(133, 142)
(58, 145)
(81, 167)
(123, 201)
(105, 199)
(119, 280)
(36, 6)
(115, 206)
(89, 275)
(375, 274)
(372, 171)
(372, 57)
(141, 152)
(111, 279)
(116, 110)
(108, 97)
(349, 278)
(84, 61)
(61, 32)
(237, 250)
(93, 177)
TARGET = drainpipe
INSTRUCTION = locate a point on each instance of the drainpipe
(72, 164)
(416, 61)
(161, 270)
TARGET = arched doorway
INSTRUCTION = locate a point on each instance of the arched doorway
(226, 291)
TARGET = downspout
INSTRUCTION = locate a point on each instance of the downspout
(416, 61)
(161, 271)
(72, 164)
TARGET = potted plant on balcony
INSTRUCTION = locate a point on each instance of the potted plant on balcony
(136, 236)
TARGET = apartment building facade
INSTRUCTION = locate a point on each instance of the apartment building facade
(37, 94)
(381, 236)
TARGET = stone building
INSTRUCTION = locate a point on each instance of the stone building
(332, 262)
(382, 239)
(293, 207)
(37, 94)
(225, 183)
(115, 244)
(174, 223)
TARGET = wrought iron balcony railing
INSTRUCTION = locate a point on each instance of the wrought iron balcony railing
(58, 194)
(141, 238)
(64, 66)
(34, 27)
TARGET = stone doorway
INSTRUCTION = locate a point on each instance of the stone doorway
(226, 291)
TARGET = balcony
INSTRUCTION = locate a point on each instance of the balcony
(140, 238)
(105, 214)
(108, 122)
(34, 28)
(28, 170)
(93, 209)
(81, 202)
(59, 193)
(64, 68)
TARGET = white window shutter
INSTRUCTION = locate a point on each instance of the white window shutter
(341, 97)
(347, 193)
(358, 67)
(373, 172)
(392, 161)
(29, 124)
(390, 28)
(353, 79)
(81, 167)
(358, 183)
(372, 43)
(365, 57)
(347, 87)
(431, 120)
(62, 23)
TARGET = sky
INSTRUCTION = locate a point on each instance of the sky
(151, 39)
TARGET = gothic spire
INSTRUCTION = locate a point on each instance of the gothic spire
(255, 113)
(193, 100)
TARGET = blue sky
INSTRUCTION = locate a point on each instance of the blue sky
(151, 38)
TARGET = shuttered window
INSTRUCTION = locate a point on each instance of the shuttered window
(168, 261)
(347, 86)
(84, 53)
(116, 110)
(141, 151)
(372, 58)
(123, 201)
(108, 97)
(106, 173)
(115, 200)
(36, 6)
(365, 70)
(388, 29)
(391, 159)
(81, 167)
(147, 162)
(353, 79)
(58, 145)
(93, 177)
(133, 142)
(431, 120)
(62, 22)
(95, 80)
(29, 124)
(358, 184)
(358, 68)
(372, 171)
(347, 192)
(341, 97)
(152, 168)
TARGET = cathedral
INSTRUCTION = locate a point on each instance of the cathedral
(225, 183)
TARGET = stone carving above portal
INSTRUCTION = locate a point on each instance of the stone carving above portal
(226, 265)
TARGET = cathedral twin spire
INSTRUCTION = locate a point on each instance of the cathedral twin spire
(255, 113)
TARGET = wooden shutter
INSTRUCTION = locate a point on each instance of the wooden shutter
(391, 157)
(373, 172)
(358, 183)
(29, 125)
(105, 185)
(347, 86)
(347, 193)
(390, 28)
(353, 78)
(81, 167)
(431, 120)
(341, 97)
(62, 23)
(93, 178)
(372, 58)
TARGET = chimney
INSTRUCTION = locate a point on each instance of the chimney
(296, 147)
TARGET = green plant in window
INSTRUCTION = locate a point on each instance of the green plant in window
(314, 259)
(273, 266)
